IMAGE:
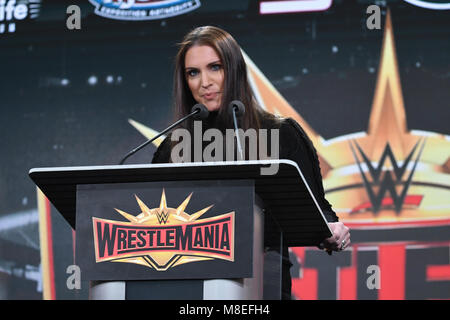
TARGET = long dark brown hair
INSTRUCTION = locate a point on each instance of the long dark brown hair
(235, 86)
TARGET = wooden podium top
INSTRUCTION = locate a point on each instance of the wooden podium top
(285, 194)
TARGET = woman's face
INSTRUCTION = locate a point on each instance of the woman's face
(205, 76)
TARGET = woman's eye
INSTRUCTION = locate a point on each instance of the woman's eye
(192, 72)
(216, 67)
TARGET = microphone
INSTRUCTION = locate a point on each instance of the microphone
(237, 109)
(198, 112)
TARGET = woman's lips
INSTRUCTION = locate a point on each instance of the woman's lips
(210, 95)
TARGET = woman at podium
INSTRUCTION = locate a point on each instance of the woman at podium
(210, 69)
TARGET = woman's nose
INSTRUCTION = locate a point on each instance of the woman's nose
(206, 81)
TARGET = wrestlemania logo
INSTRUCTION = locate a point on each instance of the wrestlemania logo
(162, 238)
(143, 9)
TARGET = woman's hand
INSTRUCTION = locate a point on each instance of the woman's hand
(340, 238)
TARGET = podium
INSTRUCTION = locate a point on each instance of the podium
(187, 230)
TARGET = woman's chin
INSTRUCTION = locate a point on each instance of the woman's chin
(212, 106)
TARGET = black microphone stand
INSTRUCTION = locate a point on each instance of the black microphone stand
(237, 109)
(196, 110)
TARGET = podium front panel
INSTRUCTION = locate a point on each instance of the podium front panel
(165, 230)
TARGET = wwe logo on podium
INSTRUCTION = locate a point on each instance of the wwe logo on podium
(388, 181)
(162, 216)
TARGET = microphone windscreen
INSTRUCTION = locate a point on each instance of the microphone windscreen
(202, 113)
(238, 106)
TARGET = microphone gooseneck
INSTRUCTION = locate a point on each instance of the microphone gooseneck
(198, 111)
(237, 109)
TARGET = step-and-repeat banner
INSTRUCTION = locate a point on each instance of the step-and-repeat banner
(82, 84)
